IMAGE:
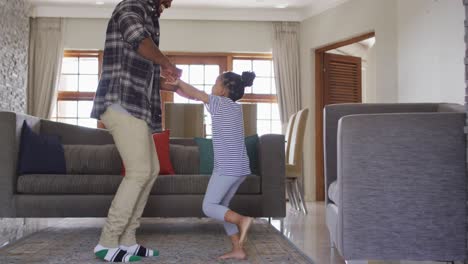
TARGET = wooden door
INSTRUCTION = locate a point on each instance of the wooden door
(338, 80)
(342, 79)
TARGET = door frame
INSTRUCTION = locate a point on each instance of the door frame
(319, 105)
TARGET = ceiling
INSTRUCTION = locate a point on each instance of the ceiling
(197, 3)
(265, 10)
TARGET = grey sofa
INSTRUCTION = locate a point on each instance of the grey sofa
(396, 181)
(81, 195)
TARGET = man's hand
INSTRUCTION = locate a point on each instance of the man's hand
(168, 86)
(170, 72)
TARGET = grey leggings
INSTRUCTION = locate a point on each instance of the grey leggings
(218, 195)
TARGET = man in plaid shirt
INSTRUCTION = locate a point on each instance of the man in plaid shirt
(128, 103)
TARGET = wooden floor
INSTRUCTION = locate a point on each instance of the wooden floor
(310, 234)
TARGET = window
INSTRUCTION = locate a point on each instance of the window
(81, 71)
(263, 92)
(78, 83)
(201, 70)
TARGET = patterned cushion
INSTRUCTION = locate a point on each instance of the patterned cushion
(185, 159)
(108, 184)
(92, 159)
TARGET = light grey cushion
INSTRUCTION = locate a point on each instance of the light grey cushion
(92, 159)
(333, 192)
(108, 184)
(185, 159)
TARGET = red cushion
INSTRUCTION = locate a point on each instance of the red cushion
(161, 141)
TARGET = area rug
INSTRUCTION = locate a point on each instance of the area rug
(188, 240)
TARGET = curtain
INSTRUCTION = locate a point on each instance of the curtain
(45, 63)
(287, 71)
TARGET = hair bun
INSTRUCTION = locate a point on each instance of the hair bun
(248, 78)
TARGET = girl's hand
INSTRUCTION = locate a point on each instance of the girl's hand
(169, 86)
(175, 82)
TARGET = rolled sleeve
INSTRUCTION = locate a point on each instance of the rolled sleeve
(130, 18)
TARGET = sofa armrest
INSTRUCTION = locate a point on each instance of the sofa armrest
(271, 157)
(333, 113)
(402, 183)
(10, 135)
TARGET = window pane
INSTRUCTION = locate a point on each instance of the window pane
(196, 74)
(262, 86)
(276, 127)
(69, 83)
(179, 99)
(87, 122)
(88, 83)
(54, 112)
(273, 86)
(70, 65)
(67, 108)
(211, 73)
(209, 130)
(84, 108)
(71, 121)
(275, 112)
(239, 66)
(248, 90)
(263, 111)
(89, 66)
(185, 72)
(262, 68)
(208, 89)
(263, 127)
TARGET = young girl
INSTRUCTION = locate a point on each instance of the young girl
(231, 163)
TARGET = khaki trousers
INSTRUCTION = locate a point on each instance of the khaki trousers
(134, 141)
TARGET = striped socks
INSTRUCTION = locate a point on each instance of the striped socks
(140, 251)
(114, 254)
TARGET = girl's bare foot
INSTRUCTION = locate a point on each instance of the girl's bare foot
(244, 228)
(234, 254)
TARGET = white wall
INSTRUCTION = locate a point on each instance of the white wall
(431, 50)
(371, 76)
(181, 35)
(351, 19)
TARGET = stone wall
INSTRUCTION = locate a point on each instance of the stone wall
(14, 43)
(465, 2)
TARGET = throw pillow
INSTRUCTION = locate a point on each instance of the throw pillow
(206, 154)
(205, 147)
(251, 145)
(161, 142)
(40, 154)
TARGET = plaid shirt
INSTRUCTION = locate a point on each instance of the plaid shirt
(126, 76)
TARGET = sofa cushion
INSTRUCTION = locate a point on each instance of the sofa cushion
(333, 192)
(185, 159)
(108, 184)
(92, 159)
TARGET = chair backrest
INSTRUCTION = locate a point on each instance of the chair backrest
(297, 139)
(288, 134)
(250, 119)
(184, 120)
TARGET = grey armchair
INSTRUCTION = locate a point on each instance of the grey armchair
(396, 181)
